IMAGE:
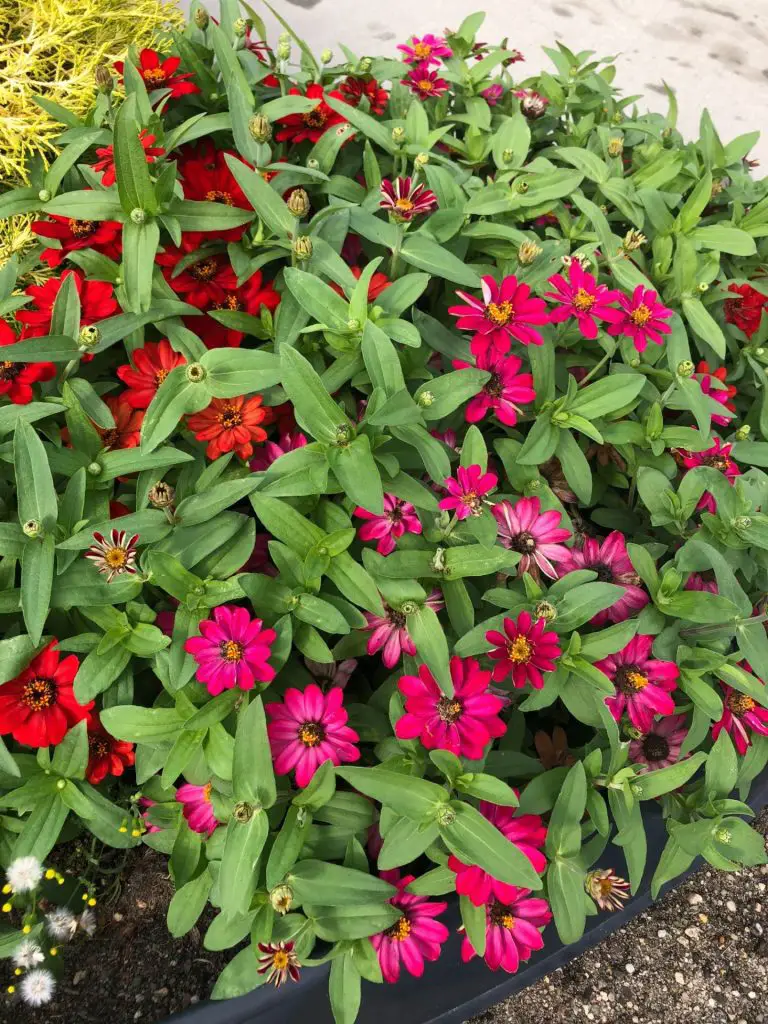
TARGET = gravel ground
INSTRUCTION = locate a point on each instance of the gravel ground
(700, 956)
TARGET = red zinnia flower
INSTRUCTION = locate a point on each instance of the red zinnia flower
(97, 302)
(101, 235)
(525, 649)
(610, 560)
(206, 177)
(38, 707)
(353, 89)
(314, 123)
(506, 311)
(721, 395)
(126, 432)
(583, 298)
(159, 74)
(746, 311)
(248, 298)
(107, 154)
(151, 365)
(16, 379)
(376, 285)
(202, 283)
(425, 83)
(230, 424)
(106, 755)
(643, 684)
(261, 51)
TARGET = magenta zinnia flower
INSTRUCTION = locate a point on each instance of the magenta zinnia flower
(467, 490)
(272, 450)
(503, 393)
(427, 50)
(406, 199)
(399, 517)
(642, 318)
(232, 650)
(425, 83)
(493, 94)
(415, 937)
(583, 298)
(389, 633)
(525, 650)
(643, 685)
(741, 714)
(506, 311)
(197, 808)
(704, 581)
(527, 831)
(464, 723)
(660, 747)
(307, 728)
(610, 560)
(512, 931)
(535, 534)
(717, 457)
(712, 383)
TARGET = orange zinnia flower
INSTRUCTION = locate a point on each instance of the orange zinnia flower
(230, 424)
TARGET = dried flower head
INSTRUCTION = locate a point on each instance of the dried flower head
(37, 987)
(24, 874)
(607, 889)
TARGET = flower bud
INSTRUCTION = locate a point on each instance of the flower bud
(561, 417)
(283, 51)
(104, 79)
(243, 812)
(742, 522)
(409, 607)
(89, 336)
(702, 287)
(445, 815)
(398, 134)
(260, 128)
(633, 240)
(61, 784)
(365, 65)
(94, 469)
(44, 195)
(507, 155)
(685, 369)
(343, 435)
(521, 187)
(421, 159)
(313, 164)
(239, 27)
(161, 495)
(353, 325)
(281, 898)
(32, 528)
(284, 37)
(326, 57)
(634, 362)
(615, 146)
(742, 434)
(298, 202)
(545, 610)
(196, 373)
(724, 836)
(138, 216)
(201, 18)
(425, 399)
(528, 253)
(302, 247)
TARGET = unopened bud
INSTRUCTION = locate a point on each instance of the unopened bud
(260, 128)
(398, 134)
(104, 79)
(243, 812)
(32, 528)
(44, 195)
(724, 836)
(353, 325)
(302, 247)
(284, 37)
(742, 434)
(326, 57)
(409, 607)
(742, 522)
(685, 369)
(343, 434)
(365, 65)
(298, 202)
(615, 146)
(281, 898)
(89, 336)
(283, 51)
(633, 240)
(138, 216)
(560, 417)
(239, 27)
(547, 611)
(196, 373)
(313, 164)
(421, 159)
(425, 399)
(528, 252)
(507, 155)
(94, 469)
(521, 186)
(61, 783)
(634, 362)
(201, 18)
(445, 815)
(161, 495)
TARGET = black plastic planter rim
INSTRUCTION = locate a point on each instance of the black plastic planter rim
(449, 991)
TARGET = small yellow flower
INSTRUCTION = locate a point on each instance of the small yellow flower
(11, 989)
(7, 908)
(7, 888)
(53, 951)
(27, 929)
(91, 902)
(50, 873)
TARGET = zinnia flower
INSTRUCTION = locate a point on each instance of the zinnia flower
(415, 937)
(38, 707)
(525, 650)
(717, 457)
(97, 302)
(643, 318)
(206, 177)
(102, 235)
(406, 198)
(279, 962)
(702, 581)
(204, 283)
(506, 311)
(532, 103)
(16, 379)
(197, 807)
(467, 490)
(126, 432)
(425, 83)
(512, 931)
(746, 311)
(273, 450)
(37, 987)
(430, 49)
(607, 889)
(232, 650)
(162, 74)
(230, 424)
(527, 831)
(464, 723)
(376, 285)
(721, 395)
(643, 684)
(24, 873)
(399, 517)
(610, 560)
(660, 747)
(583, 298)
(338, 673)
(115, 556)
(537, 535)
(248, 298)
(148, 369)
(741, 714)
(307, 728)
(504, 393)
(493, 94)
(353, 88)
(389, 633)
(106, 755)
(105, 165)
(311, 125)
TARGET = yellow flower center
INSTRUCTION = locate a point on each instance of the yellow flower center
(448, 710)
(314, 118)
(160, 376)
(214, 195)
(39, 693)
(637, 680)
(584, 300)
(520, 650)
(311, 733)
(207, 792)
(81, 228)
(422, 50)
(739, 703)
(230, 417)
(154, 76)
(280, 960)
(204, 270)
(641, 315)
(116, 558)
(499, 313)
(10, 370)
(404, 204)
(231, 650)
(425, 85)
(400, 930)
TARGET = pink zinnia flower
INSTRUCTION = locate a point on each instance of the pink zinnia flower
(610, 560)
(464, 723)
(740, 714)
(532, 103)
(415, 937)
(467, 490)
(583, 298)
(406, 198)
(721, 392)
(512, 931)
(307, 728)
(399, 517)
(448, 437)
(197, 807)
(389, 633)
(527, 831)
(503, 393)
(425, 83)
(427, 50)
(535, 534)
(506, 311)
(272, 450)
(525, 650)
(232, 650)
(660, 747)
(642, 318)
(493, 94)
(704, 581)
(643, 685)
(717, 457)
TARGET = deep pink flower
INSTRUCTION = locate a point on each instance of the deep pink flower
(660, 747)
(527, 831)
(717, 457)
(197, 807)
(741, 713)
(525, 650)
(405, 198)
(307, 728)
(506, 311)
(448, 437)
(512, 931)
(583, 298)
(503, 393)
(466, 491)
(493, 94)
(464, 723)
(415, 937)
(428, 50)
(389, 633)
(719, 392)
(610, 560)
(232, 650)
(399, 517)
(642, 318)
(425, 83)
(643, 685)
(532, 103)
(537, 535)
(702, 581)
(272, 450)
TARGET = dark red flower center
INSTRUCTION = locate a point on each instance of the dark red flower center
(721, 462)
(10, 371)
(215, 195)
(81, 228)
(449, 709)
(160, 375)
(395, 514)
(98, 746)
(396, 618)
(604, 572)
(230, 417)
(524, 542)
(311, 734)
(39, 693)
(232, 651)
(315, 118)
(495, 386)
(501, 915)
(110, 437)
(204, 270)
(400, 930)
(154, 77)
(739, 704)
(630, 680)
(655, 747)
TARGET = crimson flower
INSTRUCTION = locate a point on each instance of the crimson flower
(202, 283)
(102, 235)
(643, 318)
(353, 88)
(525, 650)
(610, 559)
(278, 961)
(206, 177)
(532, 103)
(493, 94)
(399, 517)
(643, 684)
(415, 937)
(197, 807)
(717, 457)
(249, 298)
(503, 394)
(126, 432)
(406, 199)
(16, 379)
(721, 392)
(162, 74)
(512, 931)
(537, 535)
(151, 365)
(466, 491)
(97, 302)
(745, 312)
(582, 298)
(425, 83)
(705, 581)
(106, 164)
(311, 125)
(273, 450)
(506, 311)
(106, 755)
(741, 715)
(232, 650)
(430, 49)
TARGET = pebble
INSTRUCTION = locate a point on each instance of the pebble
(662, 933)
(731, 906)
(695, 898)
(629, 968)
(679, 978)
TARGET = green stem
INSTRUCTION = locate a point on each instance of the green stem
(595, 369)
(394, 258)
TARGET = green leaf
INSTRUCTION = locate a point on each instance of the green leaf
(177, 396)
(408, 796)
(140, 242)
(253, 779)
(37, 565)
(475, 840)
(513, 138)
(70, 757)
(36, 495)
(238, 876)
(263, 198)
(564, 831)
(722, 767)
(344, 989)
(233, 372)
(331, 885)
(431, 645)
(565, 888)
(724, 238)
(188, 904)
(141, 725)
(315, 409)
(653, 784)
(702, 322)
(422, 252)
(369, 126)
(241, 975)
(354, 468)
(607, 395)
(42, 828)
(134, 185)
(98, 671)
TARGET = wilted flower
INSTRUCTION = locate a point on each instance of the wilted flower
(607, 889)
(24, 873)
(660, 747)
(532, 103)
(27, 954)
(116, 556)
(406, 198)
(553, 750)
(61, 924)
(37, 987)
(632, 240)
(87, 922)
(610, 560)
(493, 94)
(528, 253)
(279, 962)
(337, 673)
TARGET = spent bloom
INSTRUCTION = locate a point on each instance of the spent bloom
(406, 198)
(537, 535)
(610, 560)
(643, 318)
(532, 103)
(582, 298)
(660, 747)
(525, 650)
(505, 313)
(197, 807)
(425, 83)
(493, 94)
(741, 715)
(512, 931)
(643, 684)
(505, 391)
(467, 490)
(24, 873)
(37, 987)
(27, 954)
(61, 924)
(115, 556)
(607, 889)
(428, 49)
(389, 632)
(279, 962)
(399, 517)
(232, 650)
(415, 937)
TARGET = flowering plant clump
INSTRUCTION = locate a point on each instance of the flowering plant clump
(382, 504)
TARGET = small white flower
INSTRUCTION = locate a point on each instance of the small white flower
(38, 987)
(88, 922)
(27, 954)
(61, 923)
(24, 874)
